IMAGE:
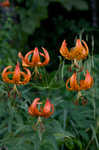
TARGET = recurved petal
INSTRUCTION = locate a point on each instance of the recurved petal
(26, 76)
(46, 56)
(78, 43)
(26, 58)
(72, 82)
(67, 84)
(85, 50)
(6, 78)
(33, 110)
(64, 50)
(48, 109)
(51, 112)
(34, 103)
(23, 60)
(6, 69)
(36, 57)
(88, 82)
(5, 75)
(16, 73)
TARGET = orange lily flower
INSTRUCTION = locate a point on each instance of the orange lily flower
(78, 52)
(35, 60)
(83, 84)
(17, 75)
(45, 112)
(88, 82)
(6, 3)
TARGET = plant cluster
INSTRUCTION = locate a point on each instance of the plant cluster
(41, 110)
(79, 52)
(42, 124)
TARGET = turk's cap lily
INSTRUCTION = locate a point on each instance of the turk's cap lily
(35, 58)
(45, 111)
(79, 52)
(48, 109)
(73, 85)
(18, 77)
(33, 110)
(64, 50)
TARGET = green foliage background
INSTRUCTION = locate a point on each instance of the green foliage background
(24, 25)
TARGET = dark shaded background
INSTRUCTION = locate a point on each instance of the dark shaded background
(29, 24)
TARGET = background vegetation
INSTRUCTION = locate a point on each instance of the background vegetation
(25, 25)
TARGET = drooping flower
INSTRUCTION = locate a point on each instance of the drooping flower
(18, 77)
(45, 111)
(35, 59)
(6, 3)
(73, 85)
(88, 82)
(78, 52)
